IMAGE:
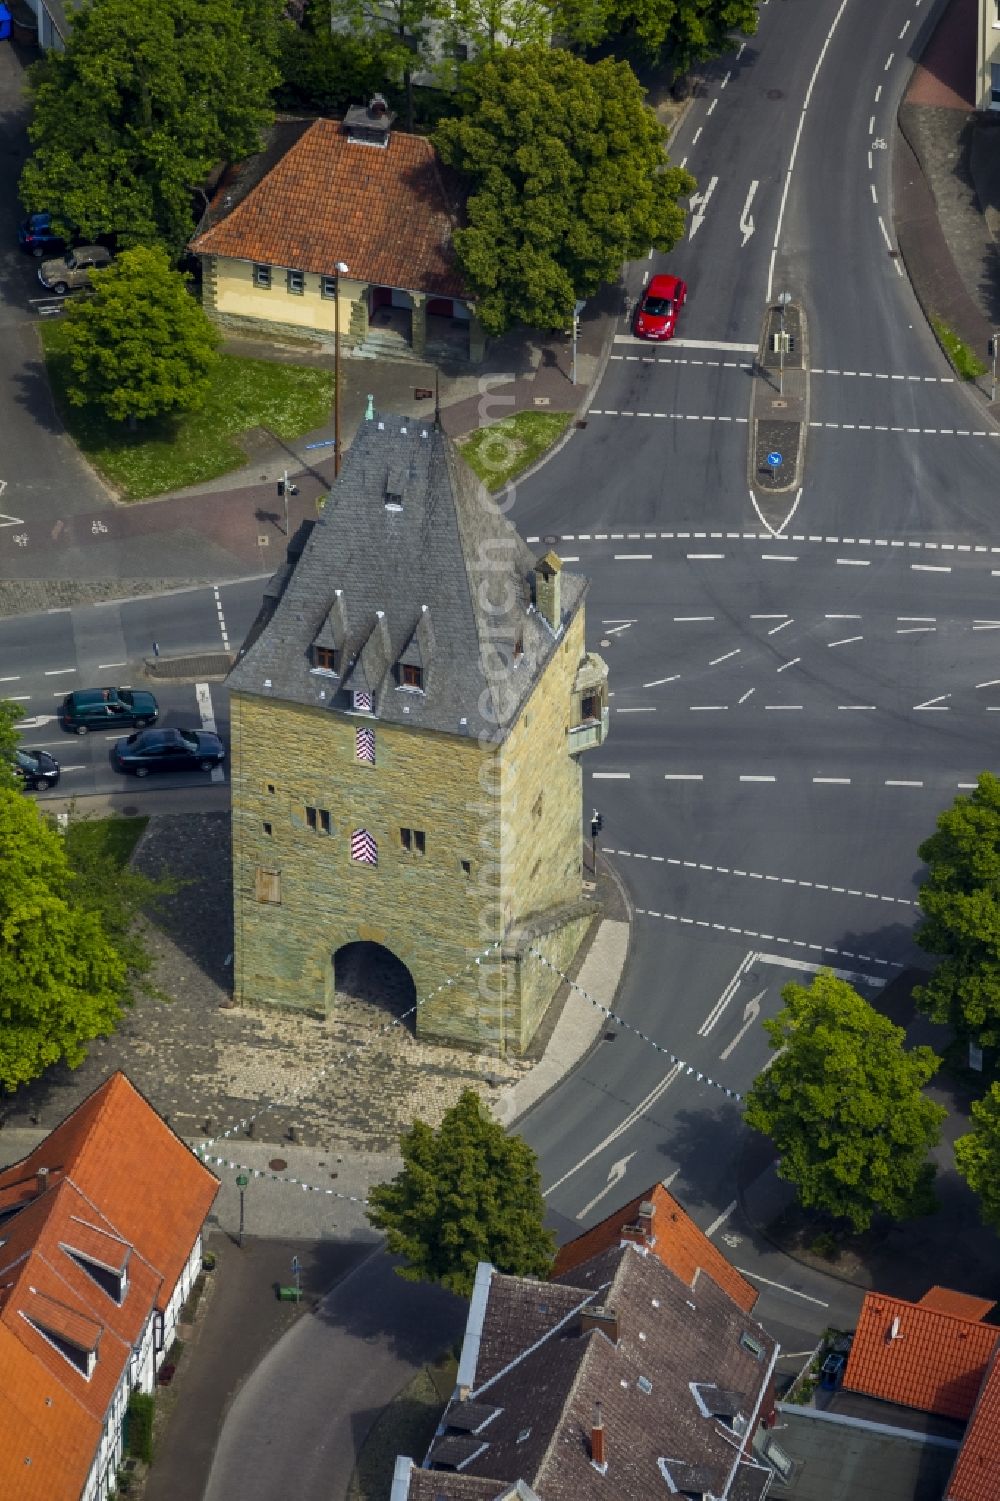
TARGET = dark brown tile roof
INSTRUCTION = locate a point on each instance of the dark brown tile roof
(547, 1372)
(677, 1242)
(383, 211)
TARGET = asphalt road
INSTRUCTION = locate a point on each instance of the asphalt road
(790, 711)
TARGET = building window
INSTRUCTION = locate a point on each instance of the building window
(270, 787)
(296, 282)
(325, 657)
(412, 676)
(994, 85)
(262, 278)
(267, 829)
(467, 868)
(414, 840)
(364, 850)
(324, 821)
(364, 745)
(318, 819)
(406, 838)
(328, 286)
(269, 886)
(590, 706)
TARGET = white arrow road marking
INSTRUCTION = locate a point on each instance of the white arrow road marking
(699, 203)
(616, 1173)
(36, 722)
(746, 218)
(619, 1130)
(934, 703)
(9, 520)
(751, 1011)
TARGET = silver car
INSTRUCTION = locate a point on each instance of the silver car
(71, 271)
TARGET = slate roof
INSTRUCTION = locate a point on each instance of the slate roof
(383, 211)
(78, 1279)
(547, 1372)
(976, 1476)
(676, 1240)
(929, 1360)
(446, 570)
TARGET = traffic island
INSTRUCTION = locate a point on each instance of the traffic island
(780, 414)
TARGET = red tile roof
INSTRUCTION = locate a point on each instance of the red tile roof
(47, 1438)
(917, 1357)
(962, 1305)
(678, 1243)
(152, 1189)
(381, 210)
(976, 1476)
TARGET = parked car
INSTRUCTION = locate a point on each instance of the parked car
(36, 769)
(658, 307)
(103, 708)
(70, 272)
(36, 235)
(168, 750)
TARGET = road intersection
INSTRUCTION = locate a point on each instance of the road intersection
(792, 705)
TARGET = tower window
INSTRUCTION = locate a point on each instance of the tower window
(269, 886)
(467, 867)
(267, 828)
(406, 838)
(325, 657)
(590, 706)
(412, 676)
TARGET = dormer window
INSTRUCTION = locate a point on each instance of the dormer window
(518, 647)
(412, 676)
(326, 658)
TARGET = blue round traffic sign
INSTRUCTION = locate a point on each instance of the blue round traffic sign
(774, 459)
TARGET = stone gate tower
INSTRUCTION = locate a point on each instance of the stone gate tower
(407, 717)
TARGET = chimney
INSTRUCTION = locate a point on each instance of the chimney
(597, 1441)
(641, 1232)
(596, 1316)
(548, 592)
(41, 1180)
(369, 124)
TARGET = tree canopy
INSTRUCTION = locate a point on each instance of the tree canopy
(63, 981)
(140, 345)
(143, 103)
(687, 30)
(329, 71)
(977, 1155)
(10, 713)
(842, 1102)
(466, 1193)
(568, 178)
(960, 901)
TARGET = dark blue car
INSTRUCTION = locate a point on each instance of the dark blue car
(38, 238)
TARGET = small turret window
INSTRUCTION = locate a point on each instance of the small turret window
(412, 676)
(325, 657)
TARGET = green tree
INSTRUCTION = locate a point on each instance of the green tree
(141, 345)
(63, 982)
(977, 1155)
(568, 178)
(466, 1193)
(408, 22)
(493, 25)
(960, 901)
(328, 71)
(10, 713)
(842, 1102)
(143, 103)
(687, 30)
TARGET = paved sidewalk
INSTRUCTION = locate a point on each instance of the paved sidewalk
(941, 228)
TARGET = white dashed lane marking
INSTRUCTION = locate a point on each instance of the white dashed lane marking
(756, 875)
(796, 943)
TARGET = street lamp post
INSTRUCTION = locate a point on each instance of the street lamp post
(342, 270)
(241, 1183)
(784, 298)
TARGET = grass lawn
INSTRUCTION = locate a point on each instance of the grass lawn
(506, 448)
(169, 453)
(113, 837)
(964, 361)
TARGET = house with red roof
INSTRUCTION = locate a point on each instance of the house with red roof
(100, 1243)
(340, 229)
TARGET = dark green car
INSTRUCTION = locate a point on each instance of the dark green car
(107, 709)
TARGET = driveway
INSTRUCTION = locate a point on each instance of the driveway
(44, 477)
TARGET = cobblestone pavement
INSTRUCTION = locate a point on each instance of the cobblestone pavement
(350, 1083)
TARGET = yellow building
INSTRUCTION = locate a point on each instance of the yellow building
(407, 716)
(339, 226)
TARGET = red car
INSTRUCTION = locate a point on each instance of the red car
(656, 313)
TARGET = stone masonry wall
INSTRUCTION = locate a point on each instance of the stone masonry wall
(424, 908)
